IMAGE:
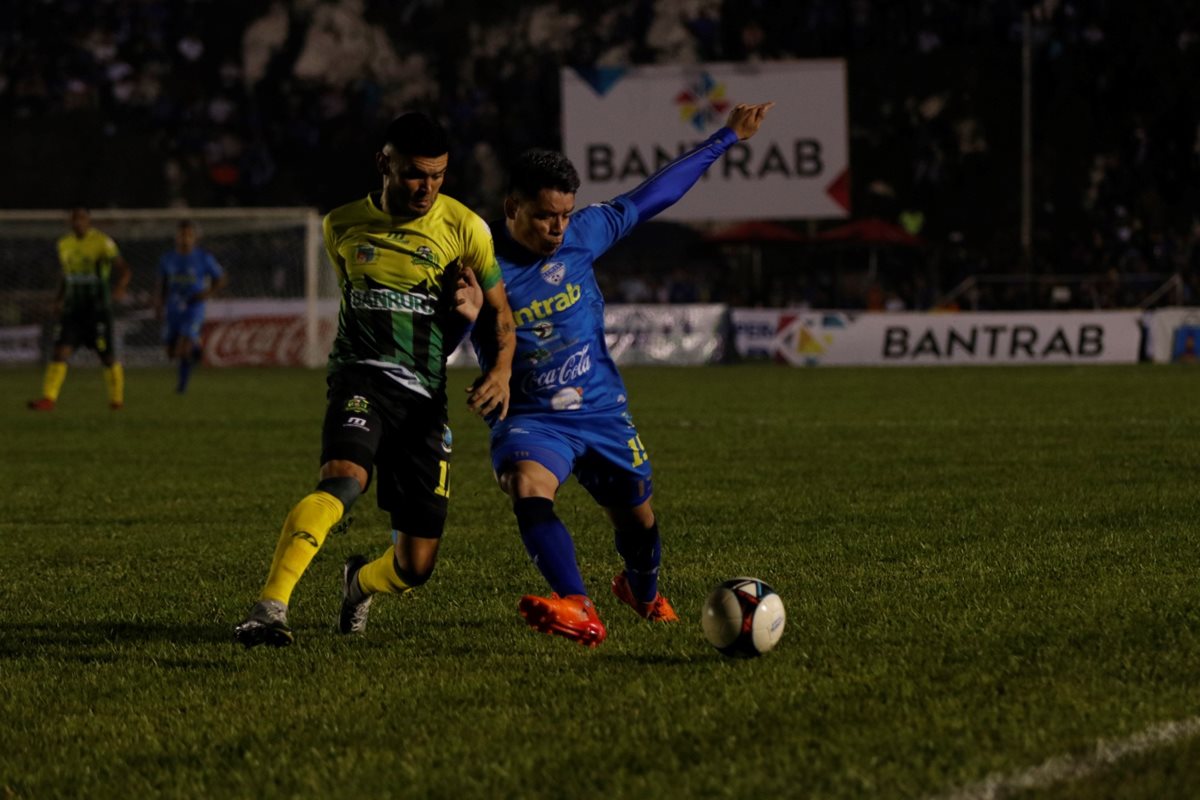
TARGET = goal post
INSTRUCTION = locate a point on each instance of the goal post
(279, 306)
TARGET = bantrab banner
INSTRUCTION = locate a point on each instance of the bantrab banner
(812, 338)
(621, 125)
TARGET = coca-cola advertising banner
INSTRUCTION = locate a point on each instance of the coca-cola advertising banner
(811, 338)
(263, 341)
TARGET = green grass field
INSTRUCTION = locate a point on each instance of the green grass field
(983, 569)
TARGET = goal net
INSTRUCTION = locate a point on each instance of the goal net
(279, 307)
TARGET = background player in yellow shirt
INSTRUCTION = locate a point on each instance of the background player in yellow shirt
(399, 254)
(93, 275)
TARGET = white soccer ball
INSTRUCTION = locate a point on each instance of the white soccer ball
(743, 618)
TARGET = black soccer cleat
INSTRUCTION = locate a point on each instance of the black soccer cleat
(355, 604)
(267, 624)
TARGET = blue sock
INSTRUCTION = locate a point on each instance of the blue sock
(642, 550)
(549, 544)
(185, 372)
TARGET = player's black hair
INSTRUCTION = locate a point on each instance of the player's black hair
(185, 223)
(539, 169)
(416, 134)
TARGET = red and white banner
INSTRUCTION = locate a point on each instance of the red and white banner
(810, 338)
(261, 341)
(254, 332)
(621, 125)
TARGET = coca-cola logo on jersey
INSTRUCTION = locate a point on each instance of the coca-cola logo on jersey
(577, 364)
(256, 341)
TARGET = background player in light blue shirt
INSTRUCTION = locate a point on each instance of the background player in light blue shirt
(188, 275)
(568, 410)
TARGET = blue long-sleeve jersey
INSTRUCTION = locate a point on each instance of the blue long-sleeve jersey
(562, 362)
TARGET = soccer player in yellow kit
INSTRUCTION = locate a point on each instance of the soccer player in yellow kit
(93, 275)
(399, 254)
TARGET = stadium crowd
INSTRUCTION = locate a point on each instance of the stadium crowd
(265, 102)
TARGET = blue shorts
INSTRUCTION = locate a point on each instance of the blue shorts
(186, 323)
(602, 450)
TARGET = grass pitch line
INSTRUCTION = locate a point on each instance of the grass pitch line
(1059, 769)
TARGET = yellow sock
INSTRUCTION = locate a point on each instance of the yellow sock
(114, 379)
(303, 533)
(380, 576)
(56, 373)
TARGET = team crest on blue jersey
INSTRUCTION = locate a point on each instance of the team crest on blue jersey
(357, 404)
(364, 254)
(543, 330)
(447, 438)
(554, 272)
(425, 256)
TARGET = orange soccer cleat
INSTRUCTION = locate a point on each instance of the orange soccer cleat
(41, 404)
(572, 617)
(657, 610)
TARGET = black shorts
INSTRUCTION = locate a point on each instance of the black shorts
(86, 327)
(376, 422)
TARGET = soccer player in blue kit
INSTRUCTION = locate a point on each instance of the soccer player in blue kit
(188, 275)
(568, 412)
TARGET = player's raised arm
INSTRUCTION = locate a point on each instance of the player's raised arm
(490, 392)
(745, 119)
(667, 186)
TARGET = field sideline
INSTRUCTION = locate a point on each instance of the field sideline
(984, 569)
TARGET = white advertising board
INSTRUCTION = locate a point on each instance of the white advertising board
(1174, 335)
(642, 333)
(810, 338)
(621, 125)
(21, 344)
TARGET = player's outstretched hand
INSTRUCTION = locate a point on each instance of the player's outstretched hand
(468, 295)
(489, 393)
(745, 119)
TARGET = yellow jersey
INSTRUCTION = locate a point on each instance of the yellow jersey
(397, 277)
(87, 266)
